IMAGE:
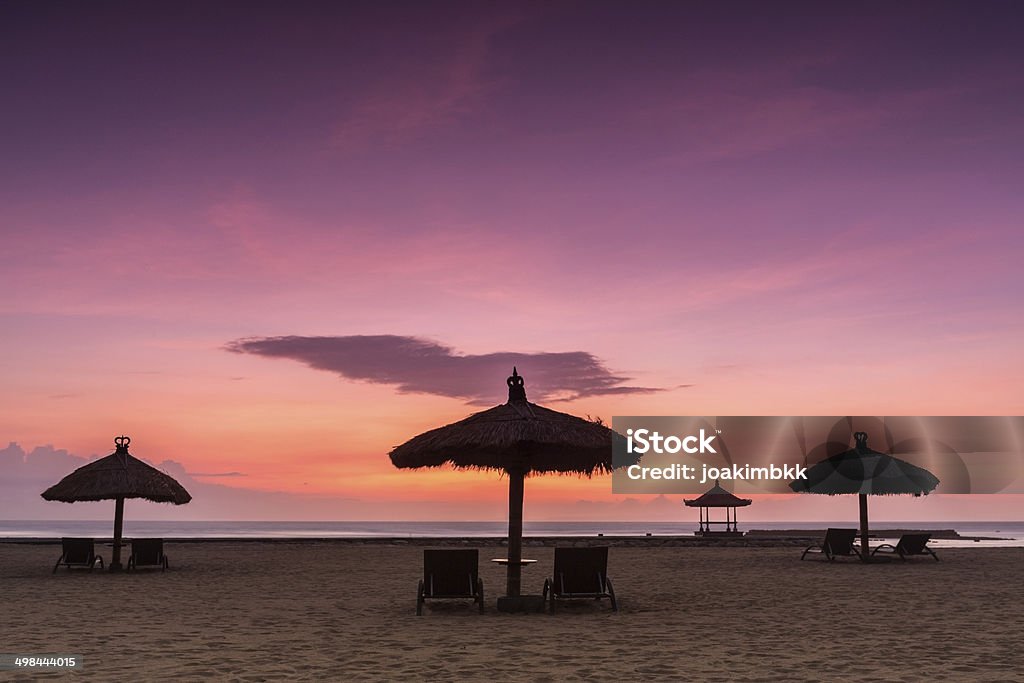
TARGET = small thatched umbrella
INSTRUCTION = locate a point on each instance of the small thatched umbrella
(116, 477)
(865, 472)
(519, 438)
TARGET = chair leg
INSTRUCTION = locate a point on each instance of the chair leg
(480, 593)
(611, 595)
(809, 549)
(57, 566)
(419, 599)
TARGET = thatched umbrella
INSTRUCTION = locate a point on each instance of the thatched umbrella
(116, 477)
(865, 472)
(519, 438)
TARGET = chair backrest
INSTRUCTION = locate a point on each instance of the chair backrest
(912, 544)
(450, 572)
(581, 570)
(148, 550)
(840, 541)
(78, 550)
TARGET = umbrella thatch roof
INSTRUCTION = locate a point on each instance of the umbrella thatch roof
(865, 471)
(717, 497)
(119, 475)
(516, 434)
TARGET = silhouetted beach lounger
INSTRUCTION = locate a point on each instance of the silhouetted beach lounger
(580, 573)
(78, 552)
(148, 552)
(909, 545)
(449, 575)
(837, 543)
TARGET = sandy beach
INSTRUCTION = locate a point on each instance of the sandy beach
(343, 611)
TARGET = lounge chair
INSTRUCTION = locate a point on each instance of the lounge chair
(148, 552)
(909, 545)
(837, 543)
(78, 552)
(450, 575)
(580, 573)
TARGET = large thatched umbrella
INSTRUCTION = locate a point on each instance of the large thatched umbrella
(519, 438)
(865, 472)
(116, 477)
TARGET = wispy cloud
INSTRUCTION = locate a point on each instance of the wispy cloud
(216, 474)
(423, 96)
(416, 365)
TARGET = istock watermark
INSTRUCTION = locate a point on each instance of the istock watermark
(772, 454)
(642, 440)
(716, 474)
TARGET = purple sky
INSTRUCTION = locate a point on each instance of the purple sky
(750, 208)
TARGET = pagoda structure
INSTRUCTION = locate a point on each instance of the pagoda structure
(717, 497)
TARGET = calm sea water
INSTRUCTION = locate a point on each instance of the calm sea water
(1011, 533)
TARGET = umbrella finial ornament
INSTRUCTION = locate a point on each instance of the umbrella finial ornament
(862, 439)
(122, 443)
(516, 386)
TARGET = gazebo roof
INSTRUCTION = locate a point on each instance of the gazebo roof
(717, 497)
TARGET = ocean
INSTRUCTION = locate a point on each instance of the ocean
(1009, 533)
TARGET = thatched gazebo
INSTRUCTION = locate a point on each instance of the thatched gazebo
(717, 497)
(865, 472)
(518, 438)
(116, 477)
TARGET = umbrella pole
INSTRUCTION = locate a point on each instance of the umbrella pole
(115, 562)
(865, 550)
(515, 531)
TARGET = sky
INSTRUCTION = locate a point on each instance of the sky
(272, 241)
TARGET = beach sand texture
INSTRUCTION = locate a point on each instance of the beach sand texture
(342, 611)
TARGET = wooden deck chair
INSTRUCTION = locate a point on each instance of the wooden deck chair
(837, 543)
(909, 545)
(78, 552)
(450, 575)
(148, 552)
(580, 573)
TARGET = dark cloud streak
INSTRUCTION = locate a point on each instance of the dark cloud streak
(417, 365)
